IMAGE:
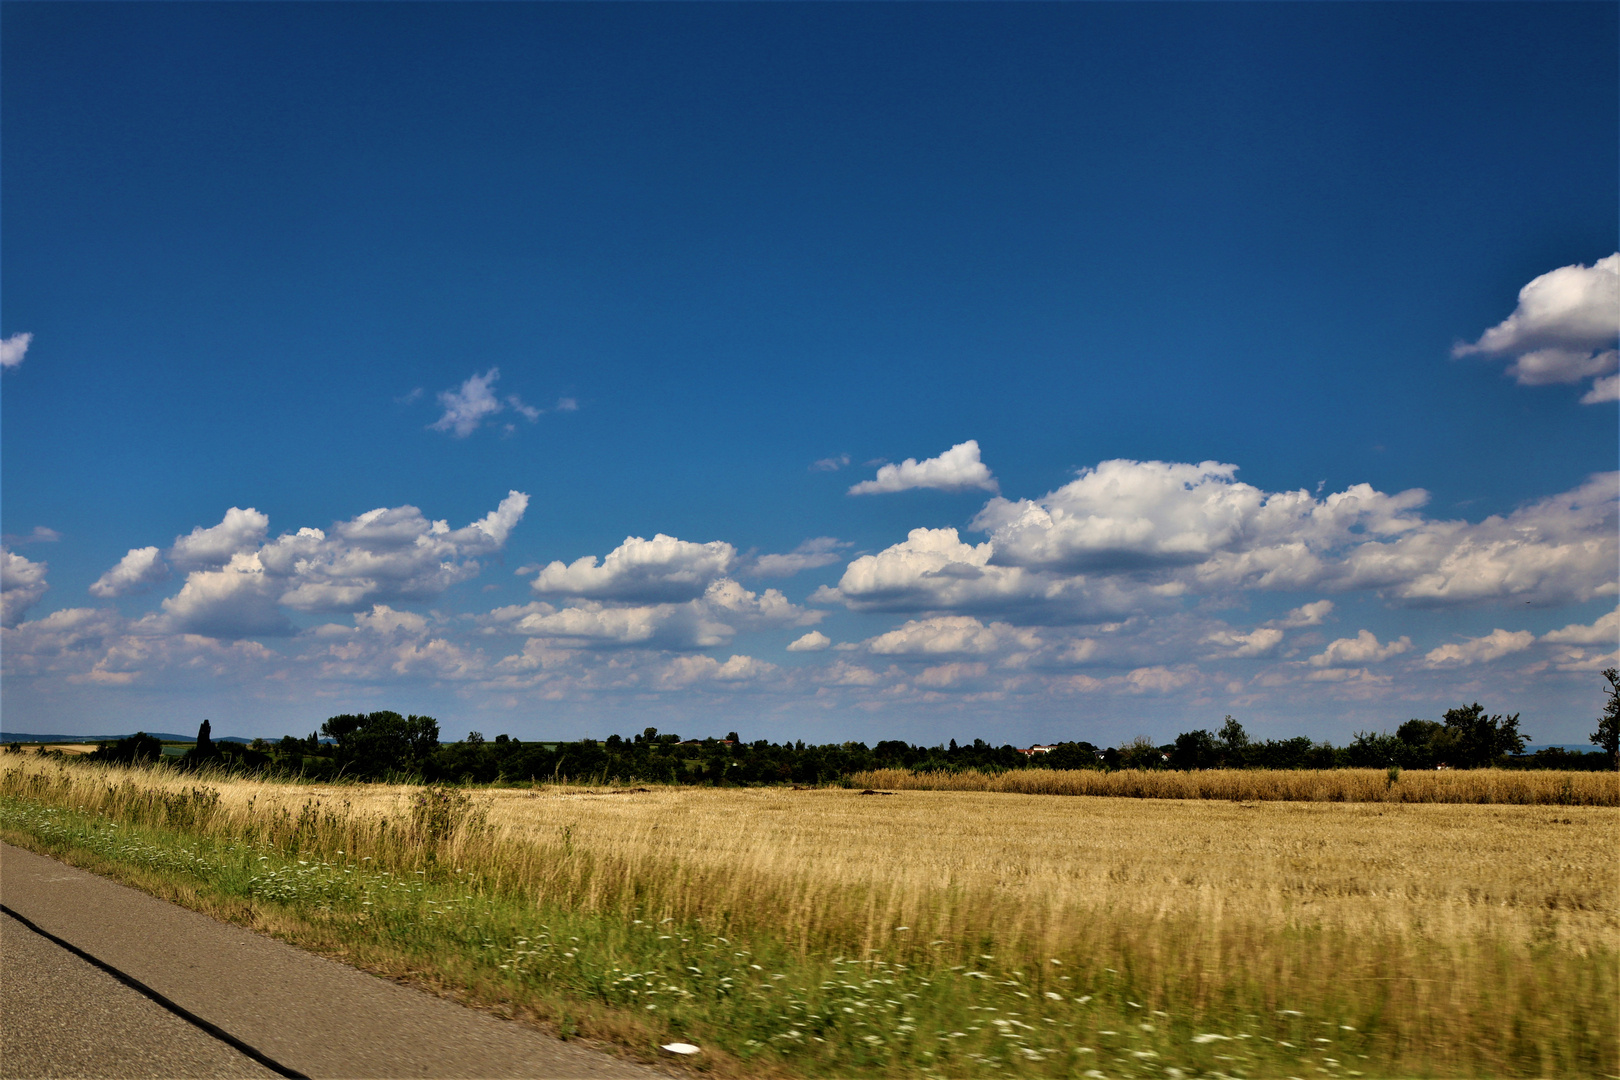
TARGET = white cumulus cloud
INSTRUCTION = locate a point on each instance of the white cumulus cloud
(1364, 648)
(1604, 389)
(1198, 525)
(661, 569)
(39, 534)
(474, 401)
(711, 619)
(1563, 330)
(957, 469)
(1352, 678)
(51, 642)
(22, 583)
(239, 531)
(844, 673)
(951, 634)
(675, 626)
(236, 601)
(1571, 306)
(1557, 550)
(1307, 615)
(1135, 515)
(814, 553)
(814, 641)
(1159, 679)
(468, 406)
(935, 570)
(384, 620)
(756, 610)
(385, 645)
(138, 569)
(685, 671)
(100, 647)
(392, 553)
(1605, 631)
(1549, 366)
(1493, 646)
(1579, 647)
(240, 582)
(1239, 646)
(13, 349)
(941, 676)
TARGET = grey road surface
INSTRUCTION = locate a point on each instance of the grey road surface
(60, 1016)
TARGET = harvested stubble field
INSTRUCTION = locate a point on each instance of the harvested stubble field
(1529, 787)
(947, 933)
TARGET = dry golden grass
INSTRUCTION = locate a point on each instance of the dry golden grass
(1537, 787)
(1428, 916)
(840, 866)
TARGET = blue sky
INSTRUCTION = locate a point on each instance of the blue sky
(1260, 356)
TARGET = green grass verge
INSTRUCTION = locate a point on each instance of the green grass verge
(757, 1008)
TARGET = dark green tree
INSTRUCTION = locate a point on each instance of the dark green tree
(380, 743)
(1195, 750)
(139, 749)
(1070, 755)
(1418, 732)
(1377, 750)
(1232, 735)
(1234, 743)
(1474, 740)
(1140, 753)
(1423, 744)
(204, 752)
(1607, 735)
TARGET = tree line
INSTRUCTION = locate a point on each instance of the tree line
(387, 745)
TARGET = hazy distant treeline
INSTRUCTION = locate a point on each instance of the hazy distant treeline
(387, 745)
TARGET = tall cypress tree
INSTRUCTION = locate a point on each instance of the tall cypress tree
(205, 752)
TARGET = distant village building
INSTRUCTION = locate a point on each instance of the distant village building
(1033, 750)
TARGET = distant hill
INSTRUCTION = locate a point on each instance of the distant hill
(162, 736)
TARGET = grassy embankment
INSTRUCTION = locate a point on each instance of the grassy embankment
(954, 933)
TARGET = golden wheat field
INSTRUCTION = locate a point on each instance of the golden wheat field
(838, 864)
(1477, 938)
(1038, 864)
(1545, 787)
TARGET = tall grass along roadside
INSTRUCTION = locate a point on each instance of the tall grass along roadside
(1543, 787)
(951, 933)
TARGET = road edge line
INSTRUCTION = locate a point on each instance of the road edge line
(172, 1006)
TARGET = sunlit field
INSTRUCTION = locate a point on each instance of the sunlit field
(1546, 787)
(921, 932)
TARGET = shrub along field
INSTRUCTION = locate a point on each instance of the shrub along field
(950, 933)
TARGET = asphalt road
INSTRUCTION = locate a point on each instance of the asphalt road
(59, 1016)
(62, 1016)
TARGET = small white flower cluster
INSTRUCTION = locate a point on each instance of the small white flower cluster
(303, 881)
(105, 838)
